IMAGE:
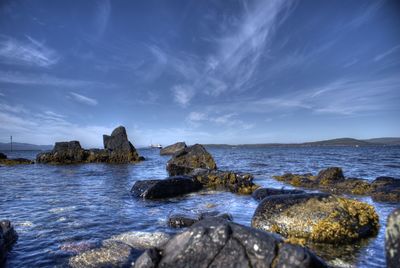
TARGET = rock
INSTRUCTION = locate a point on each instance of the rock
(316, 217)
(235, 182)
(172, 149)
(392, 240)
(330, 175)
(115, 254)
(140, 240)
(190, 158)
(180, 220)
(3, 156)
(169, 187)
(261, 193)
(117, 150)
(386, 189)
(8, 236)
(215, 214)
(16, 161)
(219, 243)
(119, 147)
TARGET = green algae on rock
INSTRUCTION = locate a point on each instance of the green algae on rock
(316, 217)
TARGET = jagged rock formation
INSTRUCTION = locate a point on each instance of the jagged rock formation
(8, 236)
(173, 149)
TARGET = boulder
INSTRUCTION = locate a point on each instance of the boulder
(330, 175)
(166, 188)
(119, 147)
(69, 152)
(16, 161)
(113, 254)
(386, 189)
(184, 220)
(261, 193)
(8, 236)
(316, 217)
(236, 182)
(190, 158)
(140, 240)
(173, 149)
(392, 240)
(3, 156)
(216, 242)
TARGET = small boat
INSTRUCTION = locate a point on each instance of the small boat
(155, 146)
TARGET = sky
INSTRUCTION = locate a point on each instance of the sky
(209, 71)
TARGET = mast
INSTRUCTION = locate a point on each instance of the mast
(11, 143)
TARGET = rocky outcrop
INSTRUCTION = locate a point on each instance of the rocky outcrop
(316, 217)
(8, 236)
(173, 149)
(383, 189)
(16, 161)
(236, 182)
(185, 220)
(262, 193)
(166, 188)
(216, 242)
(190, 158)
(117, 149)
(392, 240)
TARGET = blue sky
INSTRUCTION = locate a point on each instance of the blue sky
(200, 71)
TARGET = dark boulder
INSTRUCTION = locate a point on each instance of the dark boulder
(3, 156)
(169, 187)
(216, 242)
(190, 158)
(172, 149)
(236, 182)
(8, 236)
(119, 147)
(386, 189)
(181, 220)
(316, 217)
(392, 240)
(69, 152)
(330, 175)
(261, 193)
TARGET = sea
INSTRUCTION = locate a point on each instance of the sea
(59, 211)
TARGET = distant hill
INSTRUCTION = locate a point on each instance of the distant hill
(17, 146)
(333, 142)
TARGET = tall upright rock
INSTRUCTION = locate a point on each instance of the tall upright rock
(119, 147)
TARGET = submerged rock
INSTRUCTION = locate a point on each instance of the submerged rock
(118, 149)
(218, 243)
(316, 217)
(261, 193)
(113, 254)
(173, 149)
(169, 187)
(190, 158)
(236, 182)
(386, 189)
(8, 236)
(16, 161)
(392, 240)
(140, 240)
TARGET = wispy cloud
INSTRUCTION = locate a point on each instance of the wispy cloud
(2, 94)
(225, 120)
(102, 15)
(387, 53)
(83, 99)
(182, 94)
(28, 52)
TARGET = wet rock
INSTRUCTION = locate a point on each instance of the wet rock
(190, 158)
(140, 240)
(219, 243)
(8, 236)
(392, 240)
(119, 147)
(180, 220)
(117, 150)
(213, 214)
(16, 161)
(172, 149)
(386, 189)
(169, 187)
(113, 254)
(236, 182)
(261, 193)
(330, 175)
(3, 156)
(316, 217)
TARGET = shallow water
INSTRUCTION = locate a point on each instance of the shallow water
(61, 210)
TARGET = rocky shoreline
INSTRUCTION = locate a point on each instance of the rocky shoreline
(285, 223)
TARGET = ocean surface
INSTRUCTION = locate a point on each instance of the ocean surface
(57, 210)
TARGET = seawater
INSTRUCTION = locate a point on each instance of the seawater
(59, 211)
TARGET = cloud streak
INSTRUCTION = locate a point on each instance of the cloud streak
(28, 52)
(83, 99)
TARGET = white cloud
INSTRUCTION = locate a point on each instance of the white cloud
(225, 120)
(196, 116)
(28, 52)
(183, 94)
(102, 15)
(387, 53)
(83, 99)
